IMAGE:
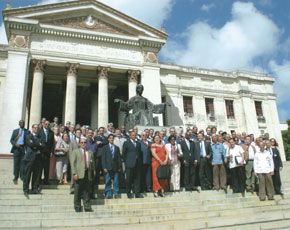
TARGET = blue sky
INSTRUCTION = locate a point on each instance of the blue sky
(227, 35)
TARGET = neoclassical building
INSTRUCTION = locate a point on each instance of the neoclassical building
(72, 59)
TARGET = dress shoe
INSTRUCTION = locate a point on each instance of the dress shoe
(15, 181)
(149, 190)
(25, 193)
(89, 210)
(271, 198)
(116, 196)
(243, 194)
(78, 209)
(262, 199)
(138, 196)
(35, 191)
(108, 197)
(129, 195)
(226, 191)
(195, 189)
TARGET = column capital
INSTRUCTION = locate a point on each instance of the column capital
(103, 72)
(72, 68)
(133, 75)
(39, 65)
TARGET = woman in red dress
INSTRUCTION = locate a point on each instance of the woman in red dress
(159, 157)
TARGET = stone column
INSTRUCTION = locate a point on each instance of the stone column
(103, 108)
(71, 90)
(14, 96)
(132, 82)
(37, 91)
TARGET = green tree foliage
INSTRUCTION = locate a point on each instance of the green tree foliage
(286, 140)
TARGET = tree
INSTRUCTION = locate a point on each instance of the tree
(286, 140)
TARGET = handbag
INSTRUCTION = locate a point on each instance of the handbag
(163, 172)
(60, 153)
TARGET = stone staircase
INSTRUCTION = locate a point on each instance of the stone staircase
(53, 209)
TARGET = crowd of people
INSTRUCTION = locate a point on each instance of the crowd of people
(146, 161)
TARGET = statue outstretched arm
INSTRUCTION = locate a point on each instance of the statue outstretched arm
(123, 106)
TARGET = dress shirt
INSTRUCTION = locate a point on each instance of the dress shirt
(46, 133)
(92, 146)
(251, 152)
(20, 140)
(87, 156)
(263, 162)
(134, 142)
(236, 151)
(112, 148)
(218, 151)
(202, 149)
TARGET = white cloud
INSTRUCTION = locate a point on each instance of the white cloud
(207, 7)
(3, 39)
(282, 85)
(151, 12)
(248, 35)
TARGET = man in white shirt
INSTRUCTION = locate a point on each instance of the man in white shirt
(250, 151)
(264, 169)
(235, 155)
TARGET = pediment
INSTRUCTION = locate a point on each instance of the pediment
(85, 15)
(90, 23)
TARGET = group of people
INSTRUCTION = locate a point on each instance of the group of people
(131, 160)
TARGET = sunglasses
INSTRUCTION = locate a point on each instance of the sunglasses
(83, 142)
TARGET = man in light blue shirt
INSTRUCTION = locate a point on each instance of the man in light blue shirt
(218, 161)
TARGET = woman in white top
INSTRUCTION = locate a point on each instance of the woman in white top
(61, 155)
(174, 151)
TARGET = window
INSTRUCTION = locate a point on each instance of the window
(209, 107)
(259, 110)
(187, 105)
(230, 109)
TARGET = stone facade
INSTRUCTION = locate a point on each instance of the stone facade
(74, 66)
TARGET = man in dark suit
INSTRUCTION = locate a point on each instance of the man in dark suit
(133, 159)
(146, 184)
(47, 149)
(204, 154)
(111, 163)
(82, 167)
(32, 160)
(18, 149)
(190, 162)
(101, 142)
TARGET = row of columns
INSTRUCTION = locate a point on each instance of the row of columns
(71, 90)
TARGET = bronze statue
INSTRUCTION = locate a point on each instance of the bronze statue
(142, 110)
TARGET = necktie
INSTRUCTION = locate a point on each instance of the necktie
(112, 150)
(201, 149)
(46, 134)
(146, 143)
(85, 156)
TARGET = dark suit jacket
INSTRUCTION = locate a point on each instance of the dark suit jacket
(207, 147)
(48, 146)
(277, 159)
(33, 145)
(132, 155)
(14, 135)
(110, 163)
(146, 152)
(104, 141)
(189, 155)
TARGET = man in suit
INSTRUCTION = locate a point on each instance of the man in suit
(32, 161)
(74, 144)
(190, 162)
(133, 159)
(147, 168)
(111, 163)
(101, 142)
(82, 167)
(47, 149)
(17, 140)
(204, 155)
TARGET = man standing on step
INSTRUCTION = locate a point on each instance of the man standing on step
(47, 150)
(18, 149)
(264, 169)
(82, 167)
(111, 163)
(32, 161)
(133, 159)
